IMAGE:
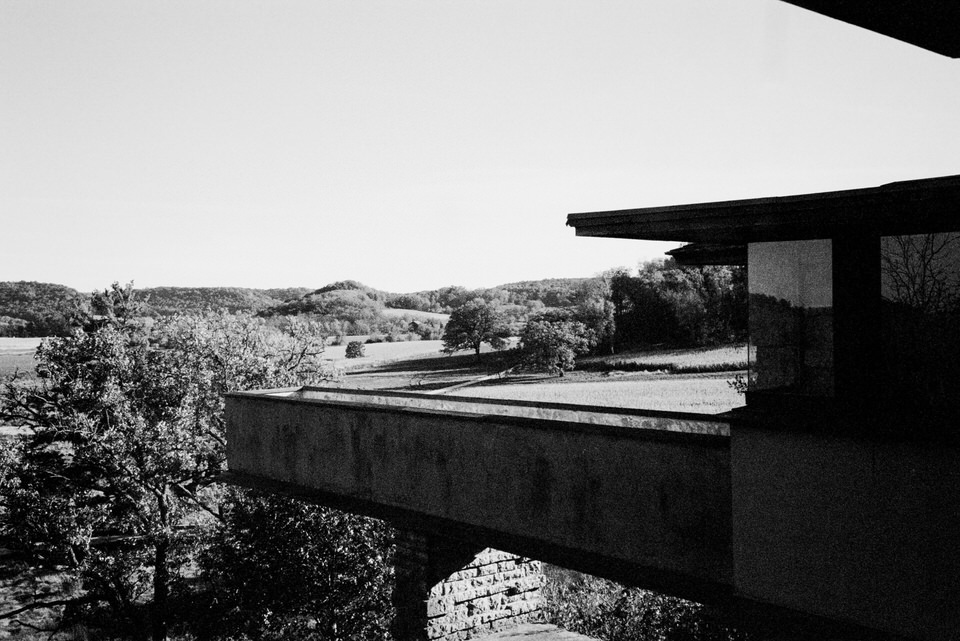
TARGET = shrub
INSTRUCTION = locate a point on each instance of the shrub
(553, 344)
(609, 611)
(284, 569)
(355, 349)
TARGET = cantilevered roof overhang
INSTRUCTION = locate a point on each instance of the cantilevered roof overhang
(908, 207)
(930, 24)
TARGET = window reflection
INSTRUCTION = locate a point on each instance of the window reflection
(791, 316)
(920, 319)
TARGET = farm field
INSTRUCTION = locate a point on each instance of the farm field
(16, 355)
(390, 312)
(381, 352)
(729, 357)
(9, 345)
(707, 393)
(701, 393)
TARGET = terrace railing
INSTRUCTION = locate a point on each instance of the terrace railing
(641, 496)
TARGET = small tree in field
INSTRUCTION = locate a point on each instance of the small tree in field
(473, 324)
(552, 345)
(355, 349)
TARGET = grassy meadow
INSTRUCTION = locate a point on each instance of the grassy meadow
(700, 393)
(672, 384)
(390, 312)
(376, 353)
(16, 355)
(682, 361)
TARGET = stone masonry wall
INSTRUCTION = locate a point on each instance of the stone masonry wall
(450, 591)
(494, 591)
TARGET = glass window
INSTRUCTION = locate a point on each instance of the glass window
(920, 319)
(791, 316)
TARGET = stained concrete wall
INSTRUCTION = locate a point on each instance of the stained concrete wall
(652, 500)
(864, 531)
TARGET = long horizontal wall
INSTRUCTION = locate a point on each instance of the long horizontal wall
(558, 482)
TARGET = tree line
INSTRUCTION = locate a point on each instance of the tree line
(663, 304)
(346, 307)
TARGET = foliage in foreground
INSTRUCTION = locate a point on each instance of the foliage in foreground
(116, 480)
(611, 612)
(281, 568)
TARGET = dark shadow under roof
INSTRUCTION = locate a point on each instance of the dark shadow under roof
(907, 207)
(930, 24)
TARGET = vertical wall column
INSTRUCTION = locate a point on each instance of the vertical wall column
(450, 590)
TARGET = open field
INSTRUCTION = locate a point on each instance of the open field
(10, 345)
(701, 393)
(16, 355)
(389, 312)
(705, 359)
(708, 393)
(377, 353)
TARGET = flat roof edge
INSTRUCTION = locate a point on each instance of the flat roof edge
(910, 206)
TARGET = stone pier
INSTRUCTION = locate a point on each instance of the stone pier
(451, 590)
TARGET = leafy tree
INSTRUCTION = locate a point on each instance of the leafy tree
(410, 301)
(164, 301)
(355, 349)
(127, 440)
(473, 324)
(281, 567)
(341, 304)
(42, 309)
(607, 610)
(665, 303)
(553, 343)
(449, 298)
(595, 309)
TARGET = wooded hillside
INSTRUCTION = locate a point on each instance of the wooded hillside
(35, 309)
(662, 303)
(164, 301)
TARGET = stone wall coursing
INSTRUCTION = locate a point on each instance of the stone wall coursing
(453, 591)
(495, 590)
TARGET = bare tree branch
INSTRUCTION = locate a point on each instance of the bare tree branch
(36, 605)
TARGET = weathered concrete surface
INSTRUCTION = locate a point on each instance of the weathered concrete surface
(652, 499)
(857, 530)
(535, 632)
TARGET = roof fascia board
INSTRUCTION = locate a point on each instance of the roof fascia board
(918, 206)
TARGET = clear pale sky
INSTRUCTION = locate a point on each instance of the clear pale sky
(416, 144)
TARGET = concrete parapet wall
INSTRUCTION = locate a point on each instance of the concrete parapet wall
(654, 498)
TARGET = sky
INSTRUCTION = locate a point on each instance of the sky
(418, 144)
